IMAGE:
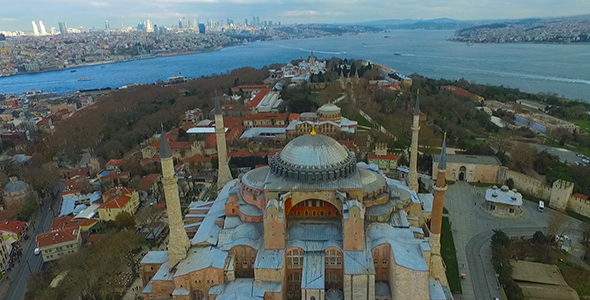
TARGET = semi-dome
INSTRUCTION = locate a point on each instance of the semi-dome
(313, 158)
(15, 186)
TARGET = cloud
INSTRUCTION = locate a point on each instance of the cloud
(7, 19)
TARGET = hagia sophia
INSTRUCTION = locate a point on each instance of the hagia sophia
(314, 224)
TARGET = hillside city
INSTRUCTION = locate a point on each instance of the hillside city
(48, 50)
(242, 183)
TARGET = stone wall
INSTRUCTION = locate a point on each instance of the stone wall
(526, 184)
(579, 205)
(403, 282)
(473, 172)
(359, 287)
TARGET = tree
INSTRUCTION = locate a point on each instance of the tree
(510, 183)
(125, 220)
(28, 209)
(556, 220)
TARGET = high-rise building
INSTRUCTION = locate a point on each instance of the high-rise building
(63, 27)
(35, 29)
(107, 26)
(195, 23)
(202, 28)
(246, 22)
(257, 21)
(148, 26)
(42, 29)
(52, 30)
(180, 23)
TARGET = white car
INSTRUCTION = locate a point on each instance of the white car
(37, 251)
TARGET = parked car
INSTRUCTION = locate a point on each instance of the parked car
(37, 251)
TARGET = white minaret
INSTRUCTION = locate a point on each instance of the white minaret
(35, 29)
(224, 175)
(413, 184)
(178, 242)
(42, 28)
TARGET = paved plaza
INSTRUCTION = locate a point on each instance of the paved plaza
(472, 229)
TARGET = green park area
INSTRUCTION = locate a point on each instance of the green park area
(449, 256)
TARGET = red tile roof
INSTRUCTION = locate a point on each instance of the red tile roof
(231, 122)
(258, 98)
(63, 223)
(115, 162)
(459, 91)
(293, 116)
(241, 153)
(15, 227)
(118, 191)
(582, 196)
(95, 238)
(173, 145)
(43, 121)
(80, 172)
(57, 237)
(273, 153)
(383, 157)
(116, 202)
(148, 181)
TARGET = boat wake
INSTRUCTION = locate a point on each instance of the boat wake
(528, 76)
(314, 51)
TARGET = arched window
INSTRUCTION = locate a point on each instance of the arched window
(333, 259)
(295, 259)
(198, 295)
(243, 251)
(376, 253)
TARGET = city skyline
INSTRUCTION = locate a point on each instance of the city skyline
(88, 14)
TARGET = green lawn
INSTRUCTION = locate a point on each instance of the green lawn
(578, 216)
(584, 125)
(362, 121)
(483, 185)
(449, 256)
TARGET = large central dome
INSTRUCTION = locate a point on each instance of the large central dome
(312, 158)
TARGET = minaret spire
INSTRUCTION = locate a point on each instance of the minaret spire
(437, 269)
(413, 182)
(178, 243)
(224, 174)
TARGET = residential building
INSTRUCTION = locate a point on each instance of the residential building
(265, 120)
(116, 201)
(56, 244)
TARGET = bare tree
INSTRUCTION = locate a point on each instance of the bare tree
(555, 222)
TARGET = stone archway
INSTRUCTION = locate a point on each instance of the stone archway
(311, 208)
(462, 173)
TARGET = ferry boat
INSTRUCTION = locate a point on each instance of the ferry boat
(84, 79)
(73, 71)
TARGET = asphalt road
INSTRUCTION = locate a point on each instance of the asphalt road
(30, 262)
(564, 155)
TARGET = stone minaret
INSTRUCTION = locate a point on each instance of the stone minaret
(179, 243)
(437, 269)
(224, 175)
(413, 184)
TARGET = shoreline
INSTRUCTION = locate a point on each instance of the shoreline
(151, 56)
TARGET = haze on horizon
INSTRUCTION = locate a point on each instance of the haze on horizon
(17, 15)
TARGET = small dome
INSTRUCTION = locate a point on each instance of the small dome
(313, 158)
(16, 186)
(328, 108)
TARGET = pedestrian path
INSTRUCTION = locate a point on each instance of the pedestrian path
(134, 290)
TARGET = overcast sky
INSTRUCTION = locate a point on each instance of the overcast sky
(18, 14)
